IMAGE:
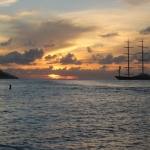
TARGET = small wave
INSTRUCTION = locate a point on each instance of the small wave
(10, 147)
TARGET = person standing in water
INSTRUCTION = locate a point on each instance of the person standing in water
(10, 86)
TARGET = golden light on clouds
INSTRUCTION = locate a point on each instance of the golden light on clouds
(70, 43)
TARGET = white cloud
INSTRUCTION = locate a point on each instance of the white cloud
(6, 17)
(7, 2)
(28, 13)
(17, 15)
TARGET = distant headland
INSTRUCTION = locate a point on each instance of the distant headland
(5, 75)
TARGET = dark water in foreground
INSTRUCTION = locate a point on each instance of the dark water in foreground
(74, 114)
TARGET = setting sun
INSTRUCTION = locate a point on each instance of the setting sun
(54, 76)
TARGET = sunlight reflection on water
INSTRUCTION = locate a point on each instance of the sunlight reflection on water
(74, 114)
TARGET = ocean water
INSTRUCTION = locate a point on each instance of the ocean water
(74, 115)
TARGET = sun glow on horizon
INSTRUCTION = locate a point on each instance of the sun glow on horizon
(55, 76)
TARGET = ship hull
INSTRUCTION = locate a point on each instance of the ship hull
(133, 78)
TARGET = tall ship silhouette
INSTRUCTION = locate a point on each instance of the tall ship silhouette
(128, 76)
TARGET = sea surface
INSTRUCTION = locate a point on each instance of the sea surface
(74, 115)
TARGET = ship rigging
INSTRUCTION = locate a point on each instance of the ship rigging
(141, 76)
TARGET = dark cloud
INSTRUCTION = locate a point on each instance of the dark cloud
(6, 43)
(25, 59)
(109, 59)
(138, 57)
(101, 73)
(64, 60)
(52, 34)
(109, 35)
(145, 31)
(92, 48)
(50, 44)
(49, 57)
(104, 67)
(96, 58)
(30, 43)
(52, 59)
(70, 59)
(78, 72)
(89, 49)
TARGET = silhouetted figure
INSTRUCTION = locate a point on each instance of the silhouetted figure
(10, 86)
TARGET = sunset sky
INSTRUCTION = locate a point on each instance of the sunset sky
(72, 39)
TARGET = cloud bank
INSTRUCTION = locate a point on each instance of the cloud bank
(6, 43)
(7, 2)
(70, 59)
(64, 60)
(51, 35)
(145, 31)
(78, 72)
(27, 58)
(109, 35)
(108, 59)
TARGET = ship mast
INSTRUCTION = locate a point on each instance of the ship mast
(142, 53)
(128, 54)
